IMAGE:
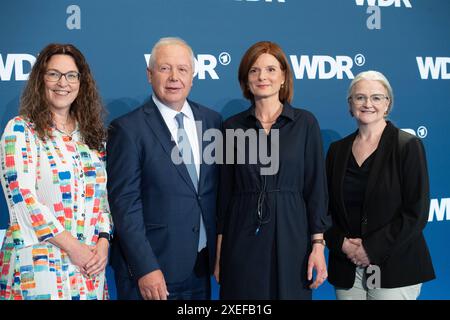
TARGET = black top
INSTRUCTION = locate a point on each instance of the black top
(271, 263)
(394, 211)
(355, 184)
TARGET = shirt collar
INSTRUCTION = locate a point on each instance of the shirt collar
(171, 113)
(287, 112)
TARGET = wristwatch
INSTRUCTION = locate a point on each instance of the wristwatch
(321, 241)
(105, 235)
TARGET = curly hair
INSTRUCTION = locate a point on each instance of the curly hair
(87, 109)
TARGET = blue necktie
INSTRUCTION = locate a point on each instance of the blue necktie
(186, 153)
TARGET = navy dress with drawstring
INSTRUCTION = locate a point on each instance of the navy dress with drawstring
(267, 220)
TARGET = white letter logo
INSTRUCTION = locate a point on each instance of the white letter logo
(384, 3)
(429, 67)
(205, 64)
(439, 210)
(15, 61)
(325, 66)
(73, 21)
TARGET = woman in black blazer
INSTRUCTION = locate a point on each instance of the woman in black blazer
(379, 202)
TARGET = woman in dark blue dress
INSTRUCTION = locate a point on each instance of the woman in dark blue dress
(272, 206)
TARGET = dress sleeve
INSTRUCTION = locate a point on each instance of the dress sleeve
(226, 184)
(105, 223)
(315, 191)
(31, 221)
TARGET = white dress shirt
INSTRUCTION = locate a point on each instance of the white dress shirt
(169, 114)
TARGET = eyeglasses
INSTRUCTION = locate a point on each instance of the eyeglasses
(71, 76)
(375, 99)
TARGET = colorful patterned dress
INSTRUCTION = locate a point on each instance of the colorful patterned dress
(50, 186)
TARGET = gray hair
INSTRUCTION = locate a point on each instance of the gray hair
(374, 76)
(170, 41)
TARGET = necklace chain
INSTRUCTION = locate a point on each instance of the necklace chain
(275, 117)
(64, 130)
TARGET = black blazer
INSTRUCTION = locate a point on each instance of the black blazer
(394, 213)
(154, 204)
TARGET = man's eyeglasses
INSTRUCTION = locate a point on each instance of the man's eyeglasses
(375, 99)
(71, 76)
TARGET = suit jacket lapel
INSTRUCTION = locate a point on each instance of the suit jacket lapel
(156, 123)
(384, 149)
(342, 158)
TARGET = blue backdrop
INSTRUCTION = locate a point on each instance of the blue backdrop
(327, 41)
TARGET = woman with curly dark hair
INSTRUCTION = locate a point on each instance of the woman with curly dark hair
(54, 179)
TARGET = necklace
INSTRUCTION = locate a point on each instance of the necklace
(67, 124)
(267, 121)
(274, 119)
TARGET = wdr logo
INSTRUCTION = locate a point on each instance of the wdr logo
(279, 1)
(325, 67)
(15, 61)
(436, 67)
(205, 63)
(384, 3)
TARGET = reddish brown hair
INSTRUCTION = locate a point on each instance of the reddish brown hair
(251, 55)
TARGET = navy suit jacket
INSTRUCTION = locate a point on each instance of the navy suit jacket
(155, 207)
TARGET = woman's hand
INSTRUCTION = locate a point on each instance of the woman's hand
(100, 259)
(355, 251)
(317, 261)
(80, 255)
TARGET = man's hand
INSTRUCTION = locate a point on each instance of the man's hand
(153, 286)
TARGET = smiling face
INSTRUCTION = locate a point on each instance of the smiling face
(265, 77)
(368, 102)
(171, 75)
(60, 94)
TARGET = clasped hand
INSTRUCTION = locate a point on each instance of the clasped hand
(91, 260)
(355, 251)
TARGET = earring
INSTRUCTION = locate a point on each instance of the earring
(282, 85)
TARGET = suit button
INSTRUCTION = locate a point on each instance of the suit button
(199, 198)
(364, 221)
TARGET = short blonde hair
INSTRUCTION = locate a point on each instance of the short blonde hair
(170, 41)
(374, 76)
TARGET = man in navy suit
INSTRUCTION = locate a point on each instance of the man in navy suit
(163, 208)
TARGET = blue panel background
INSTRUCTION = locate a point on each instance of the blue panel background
(115, 35)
